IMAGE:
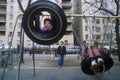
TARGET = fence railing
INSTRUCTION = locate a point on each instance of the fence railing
(3, 57)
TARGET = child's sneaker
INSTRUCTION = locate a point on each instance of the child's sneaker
(100, 61)
(93, 63)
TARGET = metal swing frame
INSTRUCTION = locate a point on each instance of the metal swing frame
(22, 38)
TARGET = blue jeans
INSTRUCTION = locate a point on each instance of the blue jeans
(60, 60)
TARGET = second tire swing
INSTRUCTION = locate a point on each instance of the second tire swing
(31, 22)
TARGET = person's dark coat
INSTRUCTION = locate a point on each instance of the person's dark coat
(61, 50)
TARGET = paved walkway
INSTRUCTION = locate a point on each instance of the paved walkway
(64, 73)
(48, 70)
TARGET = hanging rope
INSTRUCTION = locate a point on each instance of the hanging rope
(77, 38)
(21, 7)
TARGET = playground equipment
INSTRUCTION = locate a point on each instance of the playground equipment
(32, 26)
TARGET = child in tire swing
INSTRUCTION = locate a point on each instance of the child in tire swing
(47, 26)
(96, 63)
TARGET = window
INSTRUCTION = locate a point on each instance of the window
(98, 37)
(86, 20)
(19, 25)
(1, 42)
(92, 21)
(93, 36)
(2, 18)
(86, 28)
(107, 28)
(2, 25)
(2, 33)
(86, 36)
(93, 28)
(18, 34)
(98, 29)
(2, 8)
(10, 33)
(108, 36)
(97, 21)
(11, 16)
(3, 1)
(11, 26)
(106, 21)
(11, 8)
(12, 0)
(109, 21)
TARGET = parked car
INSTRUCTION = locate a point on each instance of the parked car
(70, 49)
(4, 47)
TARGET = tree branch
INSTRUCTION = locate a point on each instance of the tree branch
(95, 11)
(91, 4)
(101, 6)
(106, 10)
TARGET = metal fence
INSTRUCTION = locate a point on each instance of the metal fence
(3, 57)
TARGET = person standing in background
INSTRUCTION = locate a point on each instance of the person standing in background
(61, 52)
(83, 49)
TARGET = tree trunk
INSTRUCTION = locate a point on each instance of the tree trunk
(117, 37)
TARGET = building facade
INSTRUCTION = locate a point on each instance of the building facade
(3, 27)
(99, 29)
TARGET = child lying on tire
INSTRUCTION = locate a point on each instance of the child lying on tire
(96, 62)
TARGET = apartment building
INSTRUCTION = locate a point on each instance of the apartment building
(94, 30)
(9, 10)
(3, 12)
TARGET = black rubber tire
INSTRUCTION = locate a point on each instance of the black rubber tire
(59, 20)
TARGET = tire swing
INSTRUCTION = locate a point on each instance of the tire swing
(31, 22)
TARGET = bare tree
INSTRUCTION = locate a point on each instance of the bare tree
(99, 5)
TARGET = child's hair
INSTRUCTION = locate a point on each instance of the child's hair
(84, 41)
(47, 19)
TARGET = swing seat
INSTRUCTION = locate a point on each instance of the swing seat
(32, 25)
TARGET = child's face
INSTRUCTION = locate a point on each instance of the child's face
(62, 43)
(47, 23)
